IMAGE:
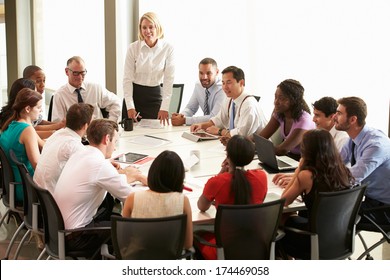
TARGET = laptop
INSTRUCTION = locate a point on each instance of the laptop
(199, 136)
(266, 153)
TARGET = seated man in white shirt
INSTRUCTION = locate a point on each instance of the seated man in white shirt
(86, 178)
(61, 145)
(78, 91)
(239, 114)
(207, 95)
(324, 111)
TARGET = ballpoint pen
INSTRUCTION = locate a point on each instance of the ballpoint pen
(150, 136)
(136, 116)
(187, 188)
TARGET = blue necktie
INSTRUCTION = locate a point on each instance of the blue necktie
(232, 115)
(79, 97)
(206, 109)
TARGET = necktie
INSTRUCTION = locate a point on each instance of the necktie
(353, 160)
(232, 115)
(206, 109)
(79, 97)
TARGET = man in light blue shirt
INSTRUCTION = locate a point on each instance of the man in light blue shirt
(368, 152)
(208, 95)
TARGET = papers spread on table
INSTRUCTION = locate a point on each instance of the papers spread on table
(150, 123)
(150, 141)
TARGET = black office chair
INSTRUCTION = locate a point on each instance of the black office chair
(332, 225)
(50, 111)
(246, 232)
(55, 232)
(368, 224)
(174, 106)
(32, 216)
(148, 238)
(14, 208)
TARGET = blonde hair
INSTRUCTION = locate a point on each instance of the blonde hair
(152, 17)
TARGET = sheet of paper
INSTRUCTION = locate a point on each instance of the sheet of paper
(150, 123)
(148, 141)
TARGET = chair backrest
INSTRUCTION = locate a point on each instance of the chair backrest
(246, 231)
(333, 218)
(49, 112)
(177, 95)
(7, 176)
(30, 196)
(148, 238)
(52, 218)
(174, 106)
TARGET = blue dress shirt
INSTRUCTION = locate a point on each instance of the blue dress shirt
(216, 98)
(372, 154)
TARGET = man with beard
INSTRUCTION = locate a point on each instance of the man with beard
(207, 95)
(368, 153)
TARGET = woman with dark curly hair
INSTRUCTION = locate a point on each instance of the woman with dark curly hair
(321, 169)
(292, 115)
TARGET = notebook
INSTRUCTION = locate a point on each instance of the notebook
(266, 153)
(199, 136)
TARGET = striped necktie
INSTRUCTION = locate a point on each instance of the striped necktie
(232, 115)
(79, 97)
(206, 109)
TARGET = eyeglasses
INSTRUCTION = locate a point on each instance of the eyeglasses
(76, 73)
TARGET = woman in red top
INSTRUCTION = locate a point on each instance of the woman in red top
(233, 185)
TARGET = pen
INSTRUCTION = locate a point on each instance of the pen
(187, 188)
(136, 116)
(150, 136)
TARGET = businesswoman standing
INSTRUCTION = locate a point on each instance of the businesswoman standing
(149, 62)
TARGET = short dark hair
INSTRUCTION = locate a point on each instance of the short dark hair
(78, 115)
(166, 174)
(208, 60)
(238, 73)
(327, 105)
(30, 70)
(99, 128)
(355, 106)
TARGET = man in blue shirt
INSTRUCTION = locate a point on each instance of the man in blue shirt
(368, 153)
(208, 95)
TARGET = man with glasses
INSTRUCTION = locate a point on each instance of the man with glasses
(105, 103)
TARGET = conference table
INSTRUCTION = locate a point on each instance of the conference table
(150, 138)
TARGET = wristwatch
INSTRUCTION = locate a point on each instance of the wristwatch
(220, 131)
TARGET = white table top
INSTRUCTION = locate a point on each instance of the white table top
(211, 156)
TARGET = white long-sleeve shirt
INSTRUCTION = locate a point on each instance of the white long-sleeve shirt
(91, 93)
(149, 67)
(249, 116)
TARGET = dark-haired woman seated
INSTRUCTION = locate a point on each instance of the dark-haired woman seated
(165, 195)
(233, 185)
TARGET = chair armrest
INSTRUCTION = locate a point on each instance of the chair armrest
(279, 235)
(84, 231)
(314, 249)
(35, 213)
(12, 198)
(105, 253)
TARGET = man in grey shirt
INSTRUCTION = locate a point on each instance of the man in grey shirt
(208, 95)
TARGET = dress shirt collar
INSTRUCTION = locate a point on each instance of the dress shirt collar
(72, 132)
(158, 45)
(239, 99)
(72, 88)
(359, 138)
(214, 88)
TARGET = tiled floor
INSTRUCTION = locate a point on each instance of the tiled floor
(31, 252)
